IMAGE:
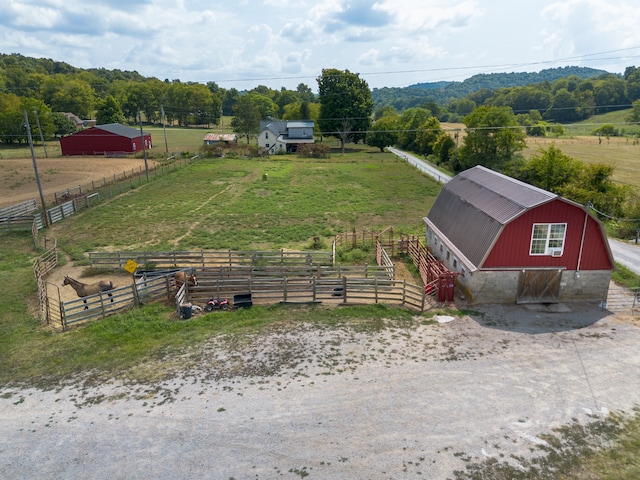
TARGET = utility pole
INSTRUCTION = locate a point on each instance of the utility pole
(164, 129)
(35, 168)
(144, 150)
(35, 111)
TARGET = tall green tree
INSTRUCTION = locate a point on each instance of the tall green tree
(75, 96)
(550, 170)
(492, 138)
(109, 111)
(383, 133)
(246, 118)
(345, 105)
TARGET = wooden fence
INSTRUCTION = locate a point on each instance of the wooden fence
(22, 208)
(202, 258)
(48, 310)
(345, 290)
(118, 300)
(21, 216)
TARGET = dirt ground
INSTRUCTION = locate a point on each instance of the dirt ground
(336, 403)
(18, 180)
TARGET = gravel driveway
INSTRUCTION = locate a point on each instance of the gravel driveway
(406, 402)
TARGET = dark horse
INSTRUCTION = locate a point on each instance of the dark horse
(86, 289)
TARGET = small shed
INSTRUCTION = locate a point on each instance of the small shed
(511, 242)
(112, 139)
(217, 138)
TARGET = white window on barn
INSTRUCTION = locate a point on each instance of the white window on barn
(548, 239)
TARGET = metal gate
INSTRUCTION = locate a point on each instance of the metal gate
(539, 286)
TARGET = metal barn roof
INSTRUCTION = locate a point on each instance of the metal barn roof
(121, 130)
(472, 209)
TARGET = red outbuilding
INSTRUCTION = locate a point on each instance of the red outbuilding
(110, 139)
(511, 242)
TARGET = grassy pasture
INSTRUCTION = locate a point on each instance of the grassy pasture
(225, 203)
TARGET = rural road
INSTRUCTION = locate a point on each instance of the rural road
(626, 254)
(421, 165)
(406, 402)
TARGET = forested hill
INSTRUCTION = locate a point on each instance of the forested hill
(443, 92)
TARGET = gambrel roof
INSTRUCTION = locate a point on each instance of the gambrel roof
(472, 209)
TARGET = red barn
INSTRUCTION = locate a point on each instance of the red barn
(511, 242)
(110, 139)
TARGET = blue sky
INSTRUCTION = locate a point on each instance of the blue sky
(391, 43)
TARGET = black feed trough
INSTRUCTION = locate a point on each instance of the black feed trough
(242, 300)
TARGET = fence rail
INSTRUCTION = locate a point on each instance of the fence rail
(117, 300)
(19, 209)
(343, 290)
(620, 299)
(202, 258)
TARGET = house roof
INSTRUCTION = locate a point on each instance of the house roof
(473, 208)
(301, 124)
(121, 130)
(221, 137)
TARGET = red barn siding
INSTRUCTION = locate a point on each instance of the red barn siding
(95, 141)
(512, 247)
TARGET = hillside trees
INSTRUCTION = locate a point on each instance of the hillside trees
(492, 138)
(345, 105)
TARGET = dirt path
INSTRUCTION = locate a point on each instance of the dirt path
(414, 402)
(18, 181)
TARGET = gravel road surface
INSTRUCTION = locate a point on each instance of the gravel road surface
(404, 402)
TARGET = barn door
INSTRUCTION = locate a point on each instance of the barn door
(539, 286)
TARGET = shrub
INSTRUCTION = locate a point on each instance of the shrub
(314, 150)
(607, 130)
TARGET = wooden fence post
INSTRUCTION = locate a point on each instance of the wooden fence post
(344, 289)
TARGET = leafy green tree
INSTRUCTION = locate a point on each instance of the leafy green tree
(305, 94)
(229, 100)
(11, 119)
(632, 83)
(75, 96)
(444, 148)
(492, 138)
(302, 111)
(409, 125)
(383, 132)
(634, 116)
(427, 135)
(594, 184)
(109, 111)
(610, 94)
(63, 125)
(386, 111)
(345, 105)
(264, 104)
(550, 170)
(39, 117)
(246, 119)
(564, 107)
